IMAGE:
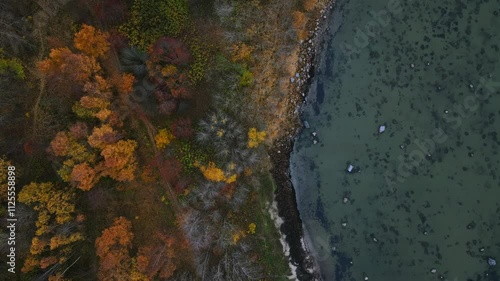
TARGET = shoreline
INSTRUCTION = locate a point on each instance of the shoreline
(292, 227)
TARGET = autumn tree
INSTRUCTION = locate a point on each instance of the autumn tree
(171, 51)
(63, 65)
(309, 4)
(182, 128)
(159, 258)
(255, 137)
(119, 160)
(241, 52)
(112, 248)
(50, 202)
(83, 176)
(163, 138)
(103, 136)
(91, 41)
(56, 227)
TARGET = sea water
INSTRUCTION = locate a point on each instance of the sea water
(422, 199)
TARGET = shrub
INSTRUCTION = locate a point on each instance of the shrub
(152, 19)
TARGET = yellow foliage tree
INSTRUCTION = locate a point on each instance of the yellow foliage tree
(91, 41)
(50, 202)
(163, 138)
(251, 228)
(255, 137)
(212, 173)
(63, 240)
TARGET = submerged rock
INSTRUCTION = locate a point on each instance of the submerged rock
(306, 124)
(492, 262)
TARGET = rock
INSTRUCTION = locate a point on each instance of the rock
(350, 168)
(433, 270)
(471, 86)
(292, 79)
(315, 141)
(492, 262)
(306, 124)
(412, 65)
(314, 134)
(345, 200)
(381, 129)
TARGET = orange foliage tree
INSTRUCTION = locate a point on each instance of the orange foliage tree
(66, 66)
(159, 258)
(112, 248)
(119, 160)
(91, 41)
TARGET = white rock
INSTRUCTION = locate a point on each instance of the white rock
(381, 129)
(350, 168)
(433, 270)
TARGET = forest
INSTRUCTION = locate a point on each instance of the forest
(140, 130)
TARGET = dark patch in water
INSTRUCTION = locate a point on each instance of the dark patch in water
(320, 213)
(320, 93)
(342, 266)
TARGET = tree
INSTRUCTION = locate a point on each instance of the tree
(163, 138)
(91, 41)
(182, 128)
(241, 52)
(11, 66)
(63, 65)
(255, 137)
(168, 50)
(84, 177)
(212, 173)
(119, 160)
(310, 4)
(50, 201)
(60, 145)
(79, 130)
(103, 136)
(112, 248)
(152, 19)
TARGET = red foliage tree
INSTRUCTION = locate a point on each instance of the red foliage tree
(182, 128)
(170, 51)
(170, 169)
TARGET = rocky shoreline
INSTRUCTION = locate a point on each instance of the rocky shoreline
(285, 195)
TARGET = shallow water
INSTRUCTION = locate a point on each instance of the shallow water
(427, 192)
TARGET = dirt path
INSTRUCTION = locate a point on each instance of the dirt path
(41, 92)
(159, 159)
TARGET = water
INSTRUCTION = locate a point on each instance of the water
(425, 202)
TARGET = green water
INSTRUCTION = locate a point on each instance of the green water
(428, 188)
